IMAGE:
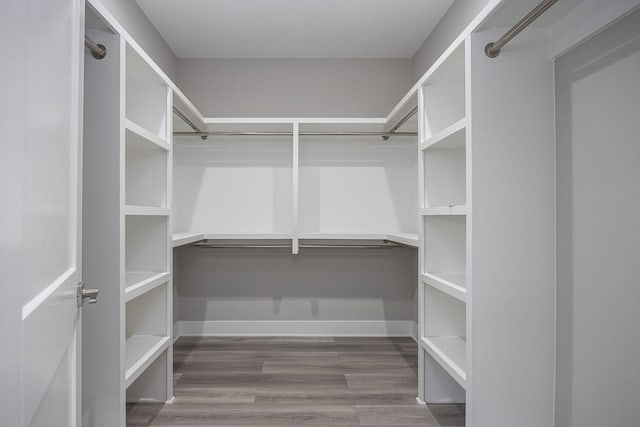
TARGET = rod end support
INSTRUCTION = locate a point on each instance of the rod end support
(99, 54)
(490, 51)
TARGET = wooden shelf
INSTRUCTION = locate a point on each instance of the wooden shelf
(138, 134)
(451, 354)
(452, 284)
(451, 137)
(140, 352)
(146, 210)
(445, 210)
(140, 282)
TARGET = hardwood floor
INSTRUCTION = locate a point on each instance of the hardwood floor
(293, 382)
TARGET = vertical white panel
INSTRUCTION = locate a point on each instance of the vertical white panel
(295, 188)
(597, 112)
(513, 237)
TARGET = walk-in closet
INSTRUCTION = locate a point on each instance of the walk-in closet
(353, 213)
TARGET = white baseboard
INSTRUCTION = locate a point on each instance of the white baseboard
(346, 328)
(176, 331)
(414, 331)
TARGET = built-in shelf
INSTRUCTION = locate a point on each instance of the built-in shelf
(451, 354)
(146, 210)
(452, 137)
(452, 284)
(185, 238)
(445, 210)
(140, 282)
(248, 236)
(141, 135)
(407, 239)
(145, 172)
(147, 95)
(140, 352)
(342, 236)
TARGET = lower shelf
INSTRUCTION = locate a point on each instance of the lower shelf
(141, 351)
(451, 354)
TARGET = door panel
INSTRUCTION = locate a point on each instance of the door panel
(51, 212)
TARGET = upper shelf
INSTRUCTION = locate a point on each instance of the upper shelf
(181, 101)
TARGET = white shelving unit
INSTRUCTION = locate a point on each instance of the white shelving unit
(444, 208)
(296, 187)
(481, 233)
(127, 222)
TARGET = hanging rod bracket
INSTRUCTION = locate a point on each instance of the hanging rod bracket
(98, 51)
(492, 50)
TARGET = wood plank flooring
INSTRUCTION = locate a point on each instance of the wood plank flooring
(294, 382)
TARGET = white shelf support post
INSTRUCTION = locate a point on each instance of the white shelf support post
(295, 169)
(421, 385)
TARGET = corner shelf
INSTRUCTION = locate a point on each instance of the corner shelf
(185, 238)
(140, 352)
(451, 353)
(408, 239)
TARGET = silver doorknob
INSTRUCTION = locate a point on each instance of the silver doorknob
(91, 295)
(86, 294)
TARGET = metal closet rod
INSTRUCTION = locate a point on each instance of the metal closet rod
(98, 51)
(288, 246)
(492, 50)
(267, 133)
(393, 131)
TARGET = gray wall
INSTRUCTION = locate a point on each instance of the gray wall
(294, 87)
(143, 32)
(317, 284)
(598, 202)
(450, 26)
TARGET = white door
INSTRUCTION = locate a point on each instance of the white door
(41, 79)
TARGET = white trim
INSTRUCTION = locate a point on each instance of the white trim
(585, 21)
(414, 331)
(36, 301)
(335, 328)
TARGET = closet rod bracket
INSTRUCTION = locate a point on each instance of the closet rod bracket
(98, 51)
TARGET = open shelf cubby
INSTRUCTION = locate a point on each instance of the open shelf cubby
(145, 250)
(145, 171)
(444, 94)
(234, 185)
(147, 334)
(358, 185)
(445, 245)
(147, 96)
(445, 333)
(445, 171)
